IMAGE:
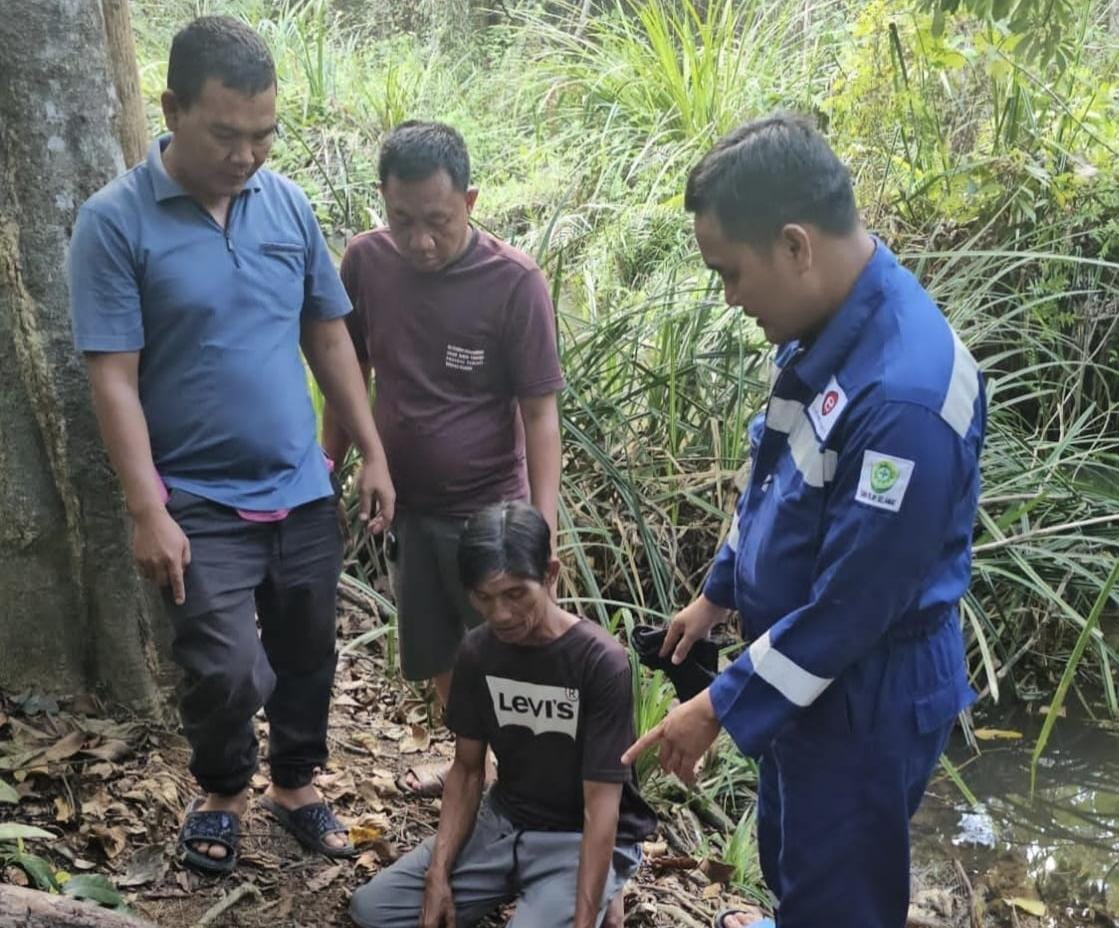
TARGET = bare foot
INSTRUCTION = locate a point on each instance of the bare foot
(426, 780)
(743, 919)
(292, 799)
(216, 802)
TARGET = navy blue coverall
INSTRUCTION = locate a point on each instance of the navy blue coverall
(847, 558)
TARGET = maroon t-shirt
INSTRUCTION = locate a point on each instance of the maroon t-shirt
(451, 351)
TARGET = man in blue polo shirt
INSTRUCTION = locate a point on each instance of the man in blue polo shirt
(850, 547)
(195, 280)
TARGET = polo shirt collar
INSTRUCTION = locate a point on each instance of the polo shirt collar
(824, 356)
(164, 186)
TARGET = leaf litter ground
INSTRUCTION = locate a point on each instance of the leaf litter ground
(114, 791)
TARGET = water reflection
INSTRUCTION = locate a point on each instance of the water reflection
(1061, 845)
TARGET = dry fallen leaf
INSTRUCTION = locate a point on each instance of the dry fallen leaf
(364, 834)
(716, 870)
(418, 740)
(712, 890)
(147, 865)
(997, 734)
(111, 838)
(65, 748)
(1032, 906)
(97, 805)
(63, 811)
(321, 880)
(368, 791)
(654, 848)
(112, 750)
(15, 876)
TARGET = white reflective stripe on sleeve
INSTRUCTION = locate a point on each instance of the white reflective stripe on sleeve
(963, 388)
(787, 677)
(732, 538)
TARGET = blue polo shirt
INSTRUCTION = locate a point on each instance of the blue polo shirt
(857, 520)
(215, 314)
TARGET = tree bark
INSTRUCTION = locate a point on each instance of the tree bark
(132, 129)
(28, 908)
(74, 615)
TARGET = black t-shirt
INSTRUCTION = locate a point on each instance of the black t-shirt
(555, 715)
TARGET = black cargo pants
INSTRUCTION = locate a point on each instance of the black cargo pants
(285, 574)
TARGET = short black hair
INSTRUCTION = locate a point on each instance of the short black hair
(770, 172)
(416, 149)
(221, 47)
(507, 538)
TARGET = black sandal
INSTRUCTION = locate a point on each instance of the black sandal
(310, 824)
(214, 827)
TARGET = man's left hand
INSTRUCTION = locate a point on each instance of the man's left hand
(374, 486)
(684, 735)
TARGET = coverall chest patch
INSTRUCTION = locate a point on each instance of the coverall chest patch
(827, 408)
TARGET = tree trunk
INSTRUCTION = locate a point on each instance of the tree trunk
(74, 616)
(27, 908)
(131, 128)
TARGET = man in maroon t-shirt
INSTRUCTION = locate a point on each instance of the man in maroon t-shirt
(459, 331)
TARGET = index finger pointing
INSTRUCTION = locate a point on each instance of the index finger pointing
(651, 737)
(175, 575)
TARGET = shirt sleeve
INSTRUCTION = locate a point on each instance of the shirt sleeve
(900, 484)
(531, 354)
(323, 295)
(350, 272)
(719, 586)
(104, 286)
(607, 721)
(467, 703)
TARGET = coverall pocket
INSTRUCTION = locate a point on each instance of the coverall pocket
(941, 706)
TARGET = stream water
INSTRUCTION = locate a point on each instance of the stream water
(1060, 846)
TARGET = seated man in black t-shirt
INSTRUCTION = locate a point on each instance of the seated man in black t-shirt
(560, 831)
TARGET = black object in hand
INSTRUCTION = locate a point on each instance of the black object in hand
(692, 675)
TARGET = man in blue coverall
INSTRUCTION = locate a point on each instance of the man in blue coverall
(850, 546)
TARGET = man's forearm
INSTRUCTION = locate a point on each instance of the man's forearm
(462, 795)
(595, 855)
(542, 456)
(124, 430)
(330, 355)
(335, 439)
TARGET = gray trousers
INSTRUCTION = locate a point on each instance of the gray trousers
(498, 864)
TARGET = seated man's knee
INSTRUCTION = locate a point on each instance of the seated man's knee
(368, 907)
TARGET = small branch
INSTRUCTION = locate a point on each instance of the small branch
(1038, 533)
(973, 910)
(228, 901)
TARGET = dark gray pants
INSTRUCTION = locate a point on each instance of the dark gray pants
(498, 864)
(286, 574)
(433, 611)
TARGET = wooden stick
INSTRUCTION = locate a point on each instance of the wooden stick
(228, 901)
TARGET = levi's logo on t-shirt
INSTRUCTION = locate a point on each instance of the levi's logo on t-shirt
(534, 706)
(464, 359)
